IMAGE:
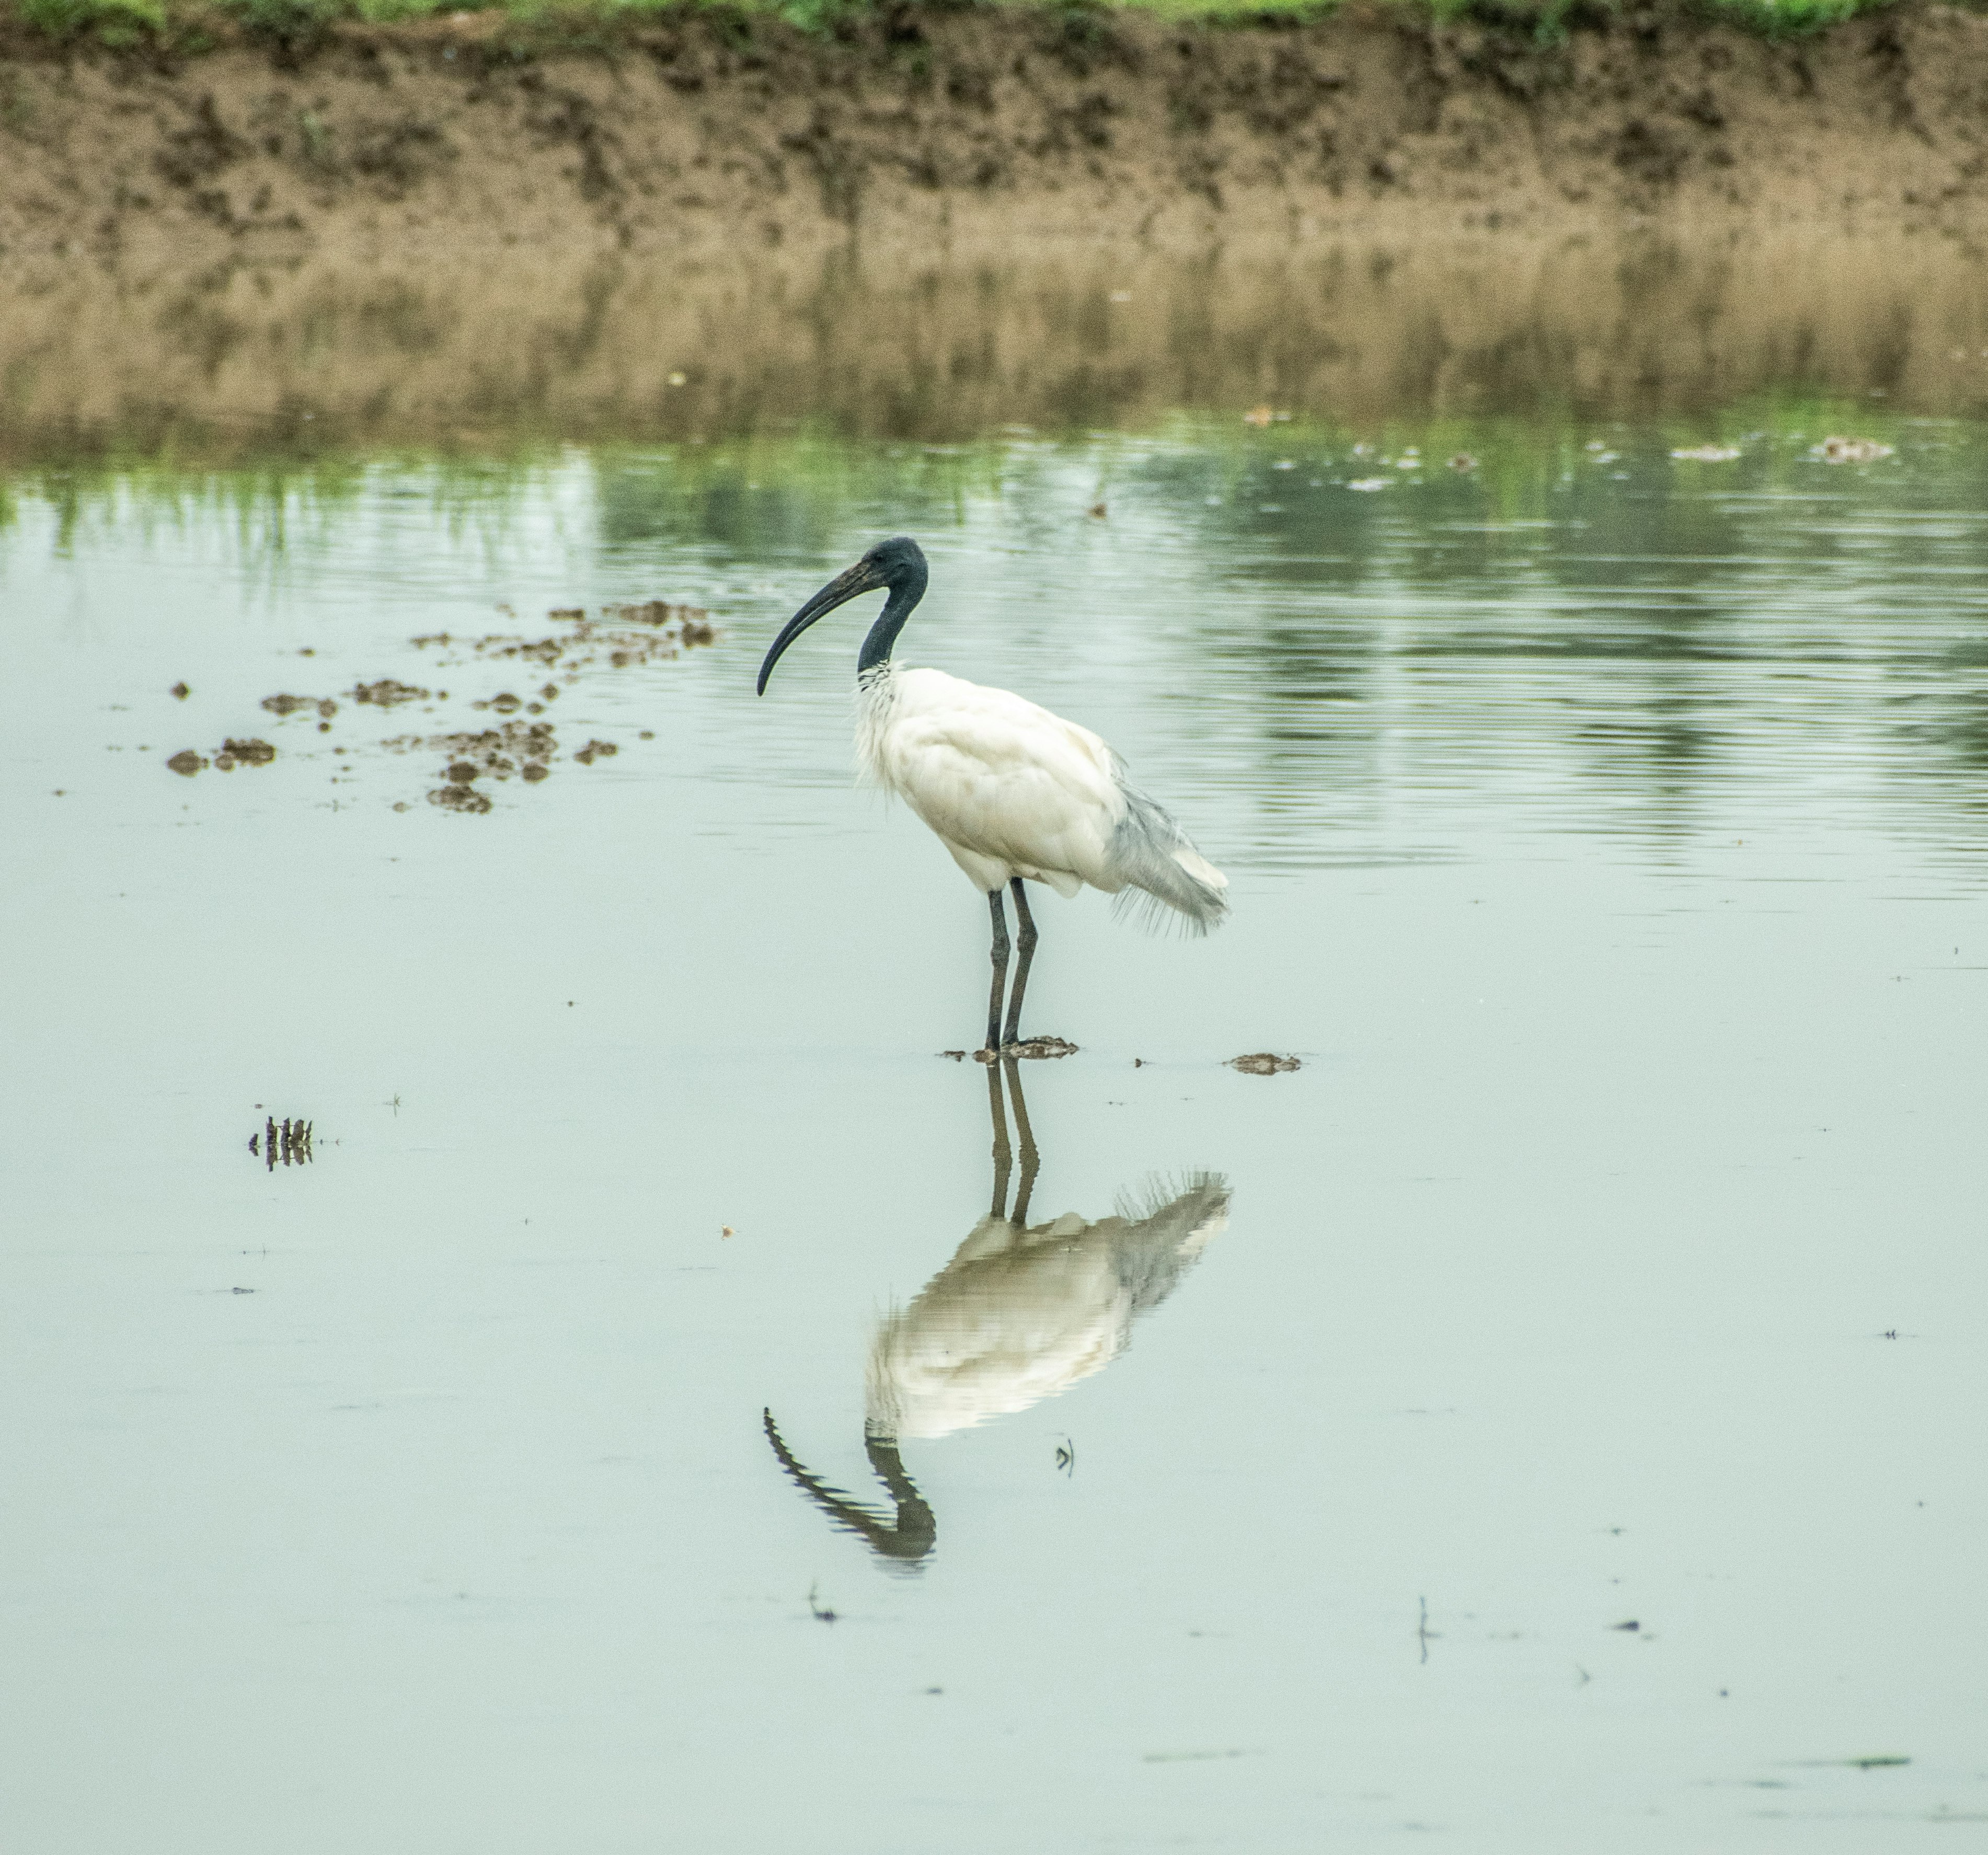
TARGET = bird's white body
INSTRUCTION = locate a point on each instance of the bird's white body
(1012, 790)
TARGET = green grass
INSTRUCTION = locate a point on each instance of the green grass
(189, 24)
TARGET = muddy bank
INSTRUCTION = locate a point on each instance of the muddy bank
(702, 134)
(245, 359)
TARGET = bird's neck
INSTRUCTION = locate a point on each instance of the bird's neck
(906, 590)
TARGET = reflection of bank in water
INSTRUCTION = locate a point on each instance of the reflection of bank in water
(1020, 1314)
(952, 344)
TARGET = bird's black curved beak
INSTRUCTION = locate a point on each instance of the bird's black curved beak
(861, 578)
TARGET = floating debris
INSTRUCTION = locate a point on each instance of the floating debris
(597, 750)
(187, 763)
(1264, 1063)
(287, 1142)
(180, 690)
(460, 798)
(1850, 451)
(1463, 460)
(1708, 454)
(289, 704)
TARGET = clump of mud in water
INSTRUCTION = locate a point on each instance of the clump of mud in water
(1849, 451)
(523, 748)
(623, 636)
(1037, 1049)
(230, 753)
(1263, 1062)
(386, 693)
(287, 1144)
(1030, 1050)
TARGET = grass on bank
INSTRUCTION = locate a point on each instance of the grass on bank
(192, 25)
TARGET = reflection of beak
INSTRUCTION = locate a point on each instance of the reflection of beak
(860, 578)
(916, 1530)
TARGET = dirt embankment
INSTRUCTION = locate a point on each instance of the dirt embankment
(699, 133)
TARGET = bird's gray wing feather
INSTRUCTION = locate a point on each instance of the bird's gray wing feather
(1161, 868)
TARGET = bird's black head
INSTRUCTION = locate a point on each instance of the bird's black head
(892, 559)
(898, 563)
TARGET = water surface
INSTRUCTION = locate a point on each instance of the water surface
(650, 1419)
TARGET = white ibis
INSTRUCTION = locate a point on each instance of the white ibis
(1016, 794)
(1022, 1312)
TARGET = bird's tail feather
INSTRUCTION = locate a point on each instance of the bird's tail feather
(1163, 873)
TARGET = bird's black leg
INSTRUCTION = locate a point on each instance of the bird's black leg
(1026, 936)
(999, 954)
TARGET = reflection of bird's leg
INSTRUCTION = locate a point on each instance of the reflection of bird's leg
(1031, 1159)
(915, 1529)
(1003, 1158)
(1025, 938)
(999, 954)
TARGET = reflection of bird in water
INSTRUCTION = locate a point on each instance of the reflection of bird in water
(1013, 791)
(1019, 1314)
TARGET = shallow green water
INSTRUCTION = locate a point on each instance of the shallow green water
(1606, 830)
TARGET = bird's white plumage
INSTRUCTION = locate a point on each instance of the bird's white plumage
(1012, 790)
